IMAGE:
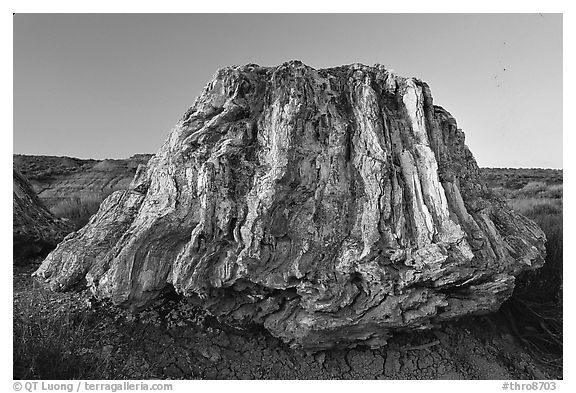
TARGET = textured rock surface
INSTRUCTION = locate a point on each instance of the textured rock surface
(59, 179)
(35, 230)
(331, 206)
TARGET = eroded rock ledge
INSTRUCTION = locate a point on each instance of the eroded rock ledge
(333, 206)
(35, 231)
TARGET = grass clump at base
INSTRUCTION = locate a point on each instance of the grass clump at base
(50, 344)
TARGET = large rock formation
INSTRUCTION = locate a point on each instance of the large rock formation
(35, 231)
(332, 206)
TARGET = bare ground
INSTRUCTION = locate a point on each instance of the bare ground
(174, 340)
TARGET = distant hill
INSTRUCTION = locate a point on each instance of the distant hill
(517, 178)
(73, 188)
(58, 178)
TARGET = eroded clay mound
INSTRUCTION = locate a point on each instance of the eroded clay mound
(35, 230)
(332, 206)
(58, 181)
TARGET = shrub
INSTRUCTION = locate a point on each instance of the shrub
(538, 190)
(534, 208)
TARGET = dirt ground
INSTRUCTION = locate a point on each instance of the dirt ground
(174, 340)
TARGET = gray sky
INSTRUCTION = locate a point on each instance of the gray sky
(110, 86)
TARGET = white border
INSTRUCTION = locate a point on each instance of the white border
(305, 6)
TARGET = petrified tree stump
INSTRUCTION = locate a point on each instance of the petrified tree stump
(332, 206)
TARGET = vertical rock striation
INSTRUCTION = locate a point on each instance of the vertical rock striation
(332, 206)
(35, 231)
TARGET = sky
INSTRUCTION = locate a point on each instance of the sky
(113, 85)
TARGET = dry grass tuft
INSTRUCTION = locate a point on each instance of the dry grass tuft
(79, 208)
(54, 345)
